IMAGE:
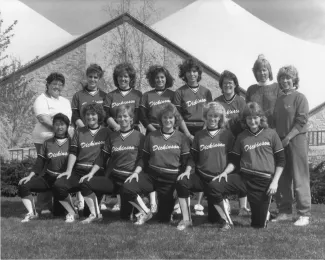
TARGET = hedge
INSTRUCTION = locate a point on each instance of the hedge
(12, 172)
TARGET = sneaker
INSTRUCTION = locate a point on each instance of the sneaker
(184, 224)
(199, 210)
(143, 218)
(153, 208)
(302, 221)
(282, 217)
(244, 212)
(92, 218)
(225, 227)
(70, 218)
(116, 207)
(80, 205)
(103, 206)
(29, 216)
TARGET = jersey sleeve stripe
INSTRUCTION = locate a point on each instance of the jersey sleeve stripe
(145, 151)
(194, 149)
(185, 153)
(279, 150)
(74, 108)
(74, 145)
(41, 155)
(234, 153)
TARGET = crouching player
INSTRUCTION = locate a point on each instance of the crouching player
(85, 147)
(54, 154)
(259, 152)
(123, 149)
(165, 156)
(209, 152)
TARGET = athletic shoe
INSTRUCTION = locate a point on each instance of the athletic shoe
(103, 206)
(153, 208)
(225, 227)
(243, 212)
(92, 218)
(70, 218)
(184, 224)
(282, 217)
(80, 205)
(29, 216)
(116, 208)
(302, 221)
(143, 218)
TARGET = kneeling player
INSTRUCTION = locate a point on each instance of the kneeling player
(123, 149)
(54, 154)
(165, 156)
(259, 152)
(209, 151)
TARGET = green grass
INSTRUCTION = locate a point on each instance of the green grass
(112, 238)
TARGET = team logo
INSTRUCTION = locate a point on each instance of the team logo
(159, 102)
(164, 147)
(254, 146)
(230, 112)
(210, 146)
(117, 104)
(86, 145)
(122, 148)
(59, 153)
(195, 102)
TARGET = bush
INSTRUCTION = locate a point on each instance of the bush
(317, 184)
(11, 173)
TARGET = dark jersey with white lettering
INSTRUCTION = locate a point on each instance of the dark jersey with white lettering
(210, 151)
(165, 151)
(116, 98)
(88, 145)
(55, 155)
(83, 98)
(149, 105)
(190, 102)
(234, 108)
(257, 151)
(124, 152)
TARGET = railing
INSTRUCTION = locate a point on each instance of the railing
(316, 138)
(22, 153)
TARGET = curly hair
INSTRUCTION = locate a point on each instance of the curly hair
(95, 68)
(231, 76)
(261, 62)
(186, 66)
(98, 109)
(153, 72)
(216, 107)
(125, 108)
(122, 68)
(290, 71)
(55, 76)
(253, 109)
(169, 108)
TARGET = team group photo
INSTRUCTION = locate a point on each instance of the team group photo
(183, 168)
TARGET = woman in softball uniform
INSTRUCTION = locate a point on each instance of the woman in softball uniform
(234, 105)
(259, 154)
(209, 152)
(53, 155)
(189, 100)
(160, 80)
(123, 149)
(291, 117)
(85, 147)
(265, 92)
(165, 156)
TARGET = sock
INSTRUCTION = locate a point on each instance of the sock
(67, 204)
(28, 202)
(153, 198)
(92, 203)
(140, 205)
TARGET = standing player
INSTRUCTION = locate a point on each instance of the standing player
(189, 100)
(165, 156)
(53, 155)
(265, 92)
(291, 117)
(85, 147)
(88, 95)
(209, 151)
(123, 149)
(259, 153)
(160, 79)
(234, 105)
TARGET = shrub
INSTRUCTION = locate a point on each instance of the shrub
(12, 172)
(317, 184)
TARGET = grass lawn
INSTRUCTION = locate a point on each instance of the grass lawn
(112, 238)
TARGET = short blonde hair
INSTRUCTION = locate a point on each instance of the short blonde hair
(219, 109)
(253, 109)
(290, 71)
